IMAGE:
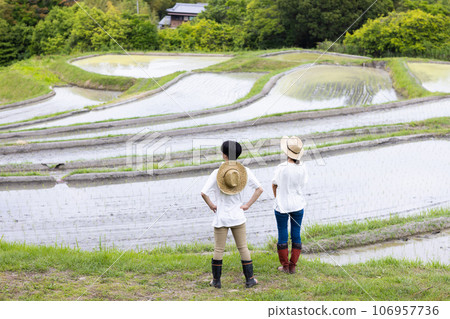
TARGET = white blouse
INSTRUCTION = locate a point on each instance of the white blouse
(290, 179)
(229, 212)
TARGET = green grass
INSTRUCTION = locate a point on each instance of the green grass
(312, 233)
(6, 174)
(32, 272)
(98, 170)
(403, 81)
(13, 82)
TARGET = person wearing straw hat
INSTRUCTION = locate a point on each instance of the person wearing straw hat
(289, 179)
(226, 184)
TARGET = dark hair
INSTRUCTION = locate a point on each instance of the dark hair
(296, 161)
(231, 149)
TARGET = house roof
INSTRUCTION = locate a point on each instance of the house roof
(189, 8)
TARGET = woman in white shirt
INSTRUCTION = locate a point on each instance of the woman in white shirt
(226, 184)
(287, 184)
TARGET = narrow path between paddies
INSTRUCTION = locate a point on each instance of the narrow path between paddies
(181, 140)
(145, 66)
(65, 99)
(435, 77)
(400, 179)
(193, 92)
(425, 247)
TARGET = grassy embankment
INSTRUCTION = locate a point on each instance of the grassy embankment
(32, 272)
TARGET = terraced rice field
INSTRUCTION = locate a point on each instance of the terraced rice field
(309, 88)
(434, 77)
(194, 92)
(144, 66)
(66, 98)
(371, 183)
(251, 132)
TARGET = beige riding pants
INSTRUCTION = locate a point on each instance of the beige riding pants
(240, 237)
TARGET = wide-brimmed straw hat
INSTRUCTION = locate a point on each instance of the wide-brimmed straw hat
(231, 177)
(292, 146)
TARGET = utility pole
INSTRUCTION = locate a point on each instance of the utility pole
(137, 6)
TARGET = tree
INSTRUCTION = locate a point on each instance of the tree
(310, 21)
(407, 33)
(262, 26)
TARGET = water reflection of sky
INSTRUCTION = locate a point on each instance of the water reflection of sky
(145, 66)
(68, 98)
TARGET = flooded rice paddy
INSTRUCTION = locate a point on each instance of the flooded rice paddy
(415, 112)
(400, 179)
(425, 247)
(194, 92)
(65, 99)
(434, 77)
(312, 88)
(145, 66)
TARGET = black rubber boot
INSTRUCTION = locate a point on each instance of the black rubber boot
(216, 266)
(247, 266)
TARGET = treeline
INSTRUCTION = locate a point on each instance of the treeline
(388, 28)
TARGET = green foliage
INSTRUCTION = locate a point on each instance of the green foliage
(226, 11)
(14, 40)
(433, 6)
(68, 30)
(202, 35)
(262, 26)
(307, 22)
(406, 33)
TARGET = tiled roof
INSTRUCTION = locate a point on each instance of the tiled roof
(192, 8)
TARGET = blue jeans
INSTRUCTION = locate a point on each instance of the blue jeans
(282, 225)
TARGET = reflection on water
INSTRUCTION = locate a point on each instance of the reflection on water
(195, 92)
(423, 247)
(144, 66)
(434, 77)
(66, 98)
(318, 87)
(398, 179)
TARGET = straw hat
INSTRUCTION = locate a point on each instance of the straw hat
(231, 177)
(292, 146)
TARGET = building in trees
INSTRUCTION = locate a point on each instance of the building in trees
(180, 13)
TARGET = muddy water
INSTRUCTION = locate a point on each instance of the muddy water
(405, 114)
(197, 91)
(67, 98)
(144, 66)
(434, 77)
(422, 247)
(400, 179)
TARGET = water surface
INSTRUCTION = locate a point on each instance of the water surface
(434, 77)
(400, 179)
(194, 92)
(145, 66)
(65, 99)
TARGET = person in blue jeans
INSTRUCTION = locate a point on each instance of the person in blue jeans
(287, 184)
